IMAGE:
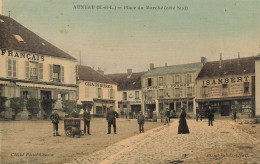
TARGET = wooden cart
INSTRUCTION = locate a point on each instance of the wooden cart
(72, 124)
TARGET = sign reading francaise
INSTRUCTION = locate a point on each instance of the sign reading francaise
(99, 85)
(28, 56)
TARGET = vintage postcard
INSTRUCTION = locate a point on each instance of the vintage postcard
(129, 81)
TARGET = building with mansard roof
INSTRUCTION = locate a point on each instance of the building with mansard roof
(171, 87)
(31, 67)
(94, 86)
(227, 86)
(129, 92)
(257, 86)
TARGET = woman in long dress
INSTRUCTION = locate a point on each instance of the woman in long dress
(183, 127)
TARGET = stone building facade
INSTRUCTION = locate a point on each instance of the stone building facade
(95, 87)
(171, 87)
(227, 86)
(257, 86)
(31, 67)
(129, 92)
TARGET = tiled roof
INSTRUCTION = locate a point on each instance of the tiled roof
(237, 66)
(124, 82)
(11, 31)
(174, 69)
(88, 74)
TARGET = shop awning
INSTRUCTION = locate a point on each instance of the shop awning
(45, 86)
(4, 82)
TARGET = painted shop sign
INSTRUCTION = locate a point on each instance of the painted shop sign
(227, 80)
(168, 86)
(28, 56)
(98, 85)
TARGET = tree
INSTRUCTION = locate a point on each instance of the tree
(87, 105)
(33, 106)
(17, 104)
(68, 106)
(2, 104)
(48, 105)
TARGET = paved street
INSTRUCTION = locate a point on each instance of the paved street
(222, 143)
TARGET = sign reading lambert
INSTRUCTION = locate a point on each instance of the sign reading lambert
(94, 84)
(24, 55)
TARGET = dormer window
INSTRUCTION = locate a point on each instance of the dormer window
(19, 38)
(2, 21)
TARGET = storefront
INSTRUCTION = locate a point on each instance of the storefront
(227, 86)
(31, 67)
(96, 88)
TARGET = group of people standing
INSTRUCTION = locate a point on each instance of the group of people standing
(112, 115)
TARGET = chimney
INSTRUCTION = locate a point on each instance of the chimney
(165, 64)
(203, 60)
(151, 66)
(238, 55)
(100, 71)
(129, 72)
(220, 60)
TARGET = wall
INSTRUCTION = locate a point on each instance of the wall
(69, 65)
(257, 87)
(214, 85)
(88, 93)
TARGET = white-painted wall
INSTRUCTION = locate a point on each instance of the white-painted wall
(69, 66)
(257, 87)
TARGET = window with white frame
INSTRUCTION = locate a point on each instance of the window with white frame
(136, 94)
(161, 93)
(11, 68)
(111, 93)
(189, 91)
(160, 80)
(189, 78)
(177, 92)
(150, 94)
(100, 93)
(177, 79)
(124, 95)
(56, 73)
(33, 70)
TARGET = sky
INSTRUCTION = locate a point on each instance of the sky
(117, 40)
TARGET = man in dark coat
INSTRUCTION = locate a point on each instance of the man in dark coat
(210, 114)
(140, 120)
(167, 116)
(55, 121)
(183, 127)
(111, 119)
(86, 119)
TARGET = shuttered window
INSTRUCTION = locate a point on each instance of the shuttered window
(62, 73)
(50, 71)
(40, 71)
(27, 69)
(11, 68)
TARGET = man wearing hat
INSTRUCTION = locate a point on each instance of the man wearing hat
(111, 119)
(140, 120)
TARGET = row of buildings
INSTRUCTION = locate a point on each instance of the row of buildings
(31, 67)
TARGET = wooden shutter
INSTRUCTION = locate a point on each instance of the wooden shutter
(27, 70)
(180, 92)
(51, 71)
(173, 79)
(14, 68)
(9, 67)
(40, 71)
(145, 82)
(62, 73)
(164, 80)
